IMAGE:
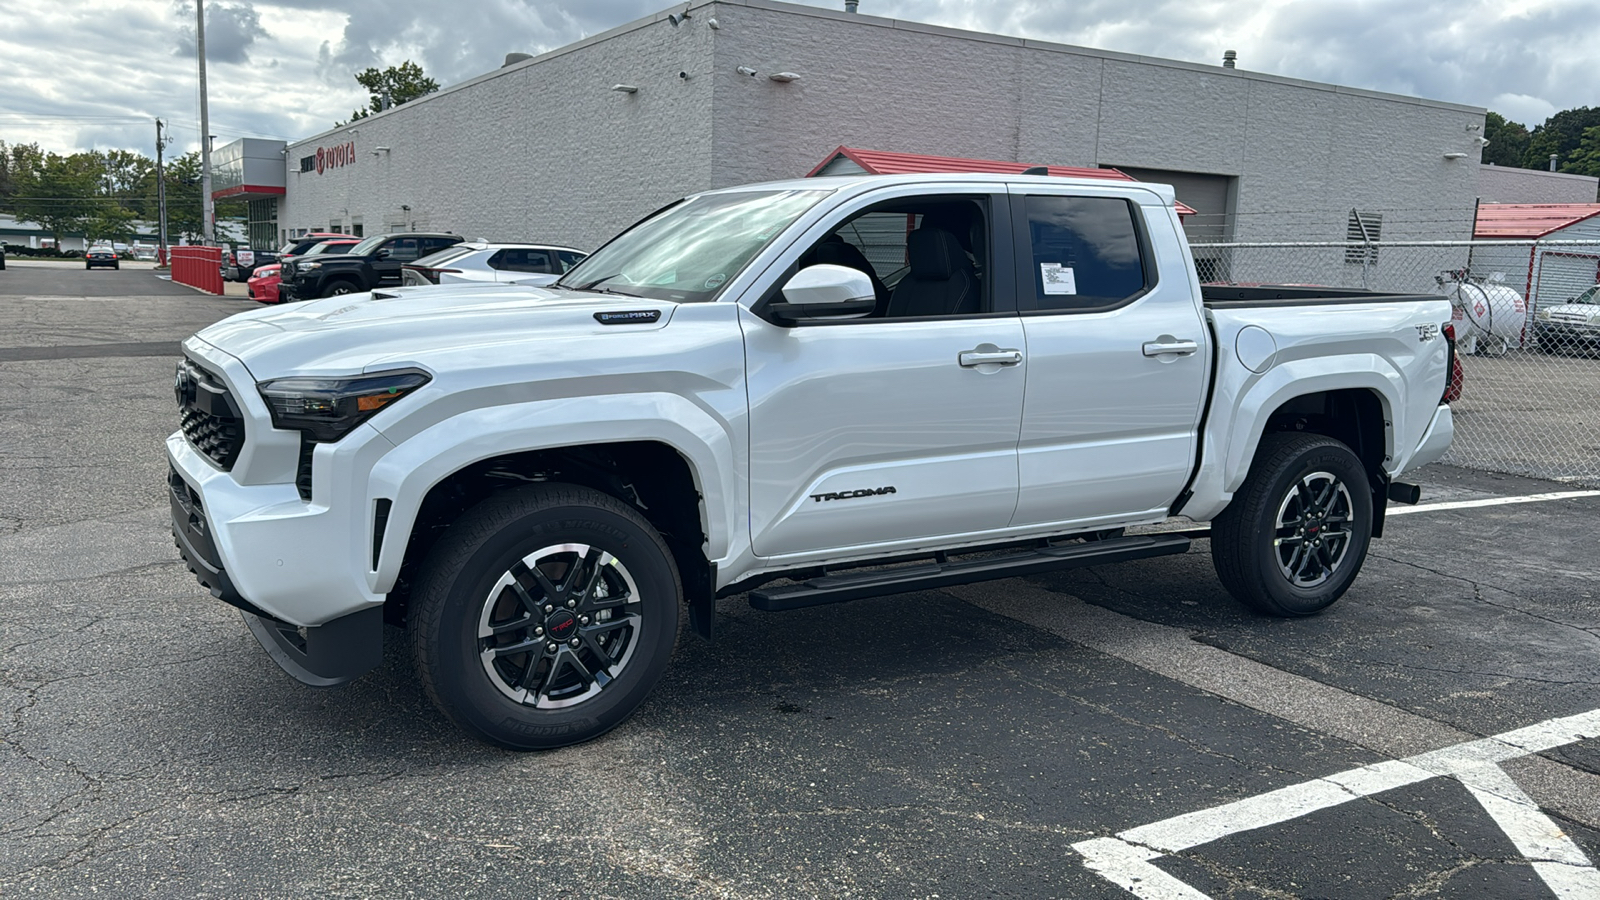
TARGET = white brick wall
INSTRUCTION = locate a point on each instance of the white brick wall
(1501, 184)
(545, 151)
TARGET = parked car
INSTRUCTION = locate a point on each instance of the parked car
(239, 264)
(1572, 326)
(725, 395)
(480, 261)
(2, 257)
(263, 284)
(374, 262)
(101, 256)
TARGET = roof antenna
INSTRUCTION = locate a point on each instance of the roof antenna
(1036, 170)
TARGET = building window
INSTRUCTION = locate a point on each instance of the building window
(356, 227)
(308, 163)
(1364, 228)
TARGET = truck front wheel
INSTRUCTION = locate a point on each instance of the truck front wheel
(338, 287)
(545, 616)
(1296, 533)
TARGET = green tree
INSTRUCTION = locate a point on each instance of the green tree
(1508, 141)
(1560, 134)
(108, 221)
(18, 164)
(1585, 158)
(61, 194)
(400, 84)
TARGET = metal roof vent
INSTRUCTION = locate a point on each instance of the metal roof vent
(1229, 57)
(514, 58)
(850, 5)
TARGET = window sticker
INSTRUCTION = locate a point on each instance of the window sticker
(1058, 279)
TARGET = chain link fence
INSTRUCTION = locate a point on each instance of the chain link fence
(1527, 317)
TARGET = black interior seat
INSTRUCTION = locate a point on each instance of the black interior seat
(941, 282)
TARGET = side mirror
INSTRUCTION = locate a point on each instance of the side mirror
(383, 253)
(826, 292)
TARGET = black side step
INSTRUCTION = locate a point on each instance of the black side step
(878, 583)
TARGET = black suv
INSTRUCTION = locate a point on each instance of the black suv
(372, 263)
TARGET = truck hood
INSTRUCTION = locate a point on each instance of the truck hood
(360, 332)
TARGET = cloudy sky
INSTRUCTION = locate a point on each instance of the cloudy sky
(95, 73)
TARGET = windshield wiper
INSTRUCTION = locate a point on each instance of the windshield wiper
(607, 290)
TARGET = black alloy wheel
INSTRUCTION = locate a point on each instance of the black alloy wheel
(1296, 533)
(560, 625)
(545, 616)
(338, 288)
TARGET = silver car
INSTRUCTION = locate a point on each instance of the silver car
(477, 261)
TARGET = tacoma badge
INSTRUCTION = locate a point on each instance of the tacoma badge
(851, 495)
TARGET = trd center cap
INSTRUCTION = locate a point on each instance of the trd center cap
(561, 625)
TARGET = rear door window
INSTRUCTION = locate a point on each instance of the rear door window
(1084, 254)
(403, 249)
(522, 259)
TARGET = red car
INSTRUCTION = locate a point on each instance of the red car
(263, 283)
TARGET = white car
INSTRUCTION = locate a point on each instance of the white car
(477, 261)
(1572, 326)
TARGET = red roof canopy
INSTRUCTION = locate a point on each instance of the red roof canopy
(883, 162)
(1529, 220)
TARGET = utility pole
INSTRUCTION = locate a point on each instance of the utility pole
(207, 210)
(161, 200)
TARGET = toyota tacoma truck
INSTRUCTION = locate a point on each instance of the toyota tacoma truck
(374, 262)
(804, 392)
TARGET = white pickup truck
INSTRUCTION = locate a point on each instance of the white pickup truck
(852, 387)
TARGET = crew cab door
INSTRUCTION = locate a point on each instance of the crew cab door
(889, 429)
(1118, 355)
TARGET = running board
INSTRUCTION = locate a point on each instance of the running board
(877, 583)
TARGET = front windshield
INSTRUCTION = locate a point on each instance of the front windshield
(1590, 297)
(688, 252)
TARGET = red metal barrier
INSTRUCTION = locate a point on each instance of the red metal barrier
(198, 267)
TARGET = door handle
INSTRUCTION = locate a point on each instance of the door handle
(989, 356)
(1167, 345)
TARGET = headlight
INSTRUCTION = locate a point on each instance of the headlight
(308, 266)
(1543, 314)
(327, 409)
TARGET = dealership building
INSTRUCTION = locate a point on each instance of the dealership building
(572, 145)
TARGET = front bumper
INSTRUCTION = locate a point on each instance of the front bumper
(326, 655)
(1562, 335)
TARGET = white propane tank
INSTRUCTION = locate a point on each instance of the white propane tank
(1489, 317)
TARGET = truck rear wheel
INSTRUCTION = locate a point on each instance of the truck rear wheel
(1296, 533)
(545, 616)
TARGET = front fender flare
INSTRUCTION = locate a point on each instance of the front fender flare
(406, 474)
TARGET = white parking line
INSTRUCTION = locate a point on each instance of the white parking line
(1126, 859)
(1490, 501)
(1187, 527)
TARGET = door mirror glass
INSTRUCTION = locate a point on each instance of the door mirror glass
(383, 253)
(826, 292)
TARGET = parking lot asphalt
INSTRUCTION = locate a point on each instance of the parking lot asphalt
(1112, 732)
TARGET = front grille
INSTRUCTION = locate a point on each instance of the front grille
(208, 415)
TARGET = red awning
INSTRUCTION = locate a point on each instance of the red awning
(1529, 220)
(883, 162)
